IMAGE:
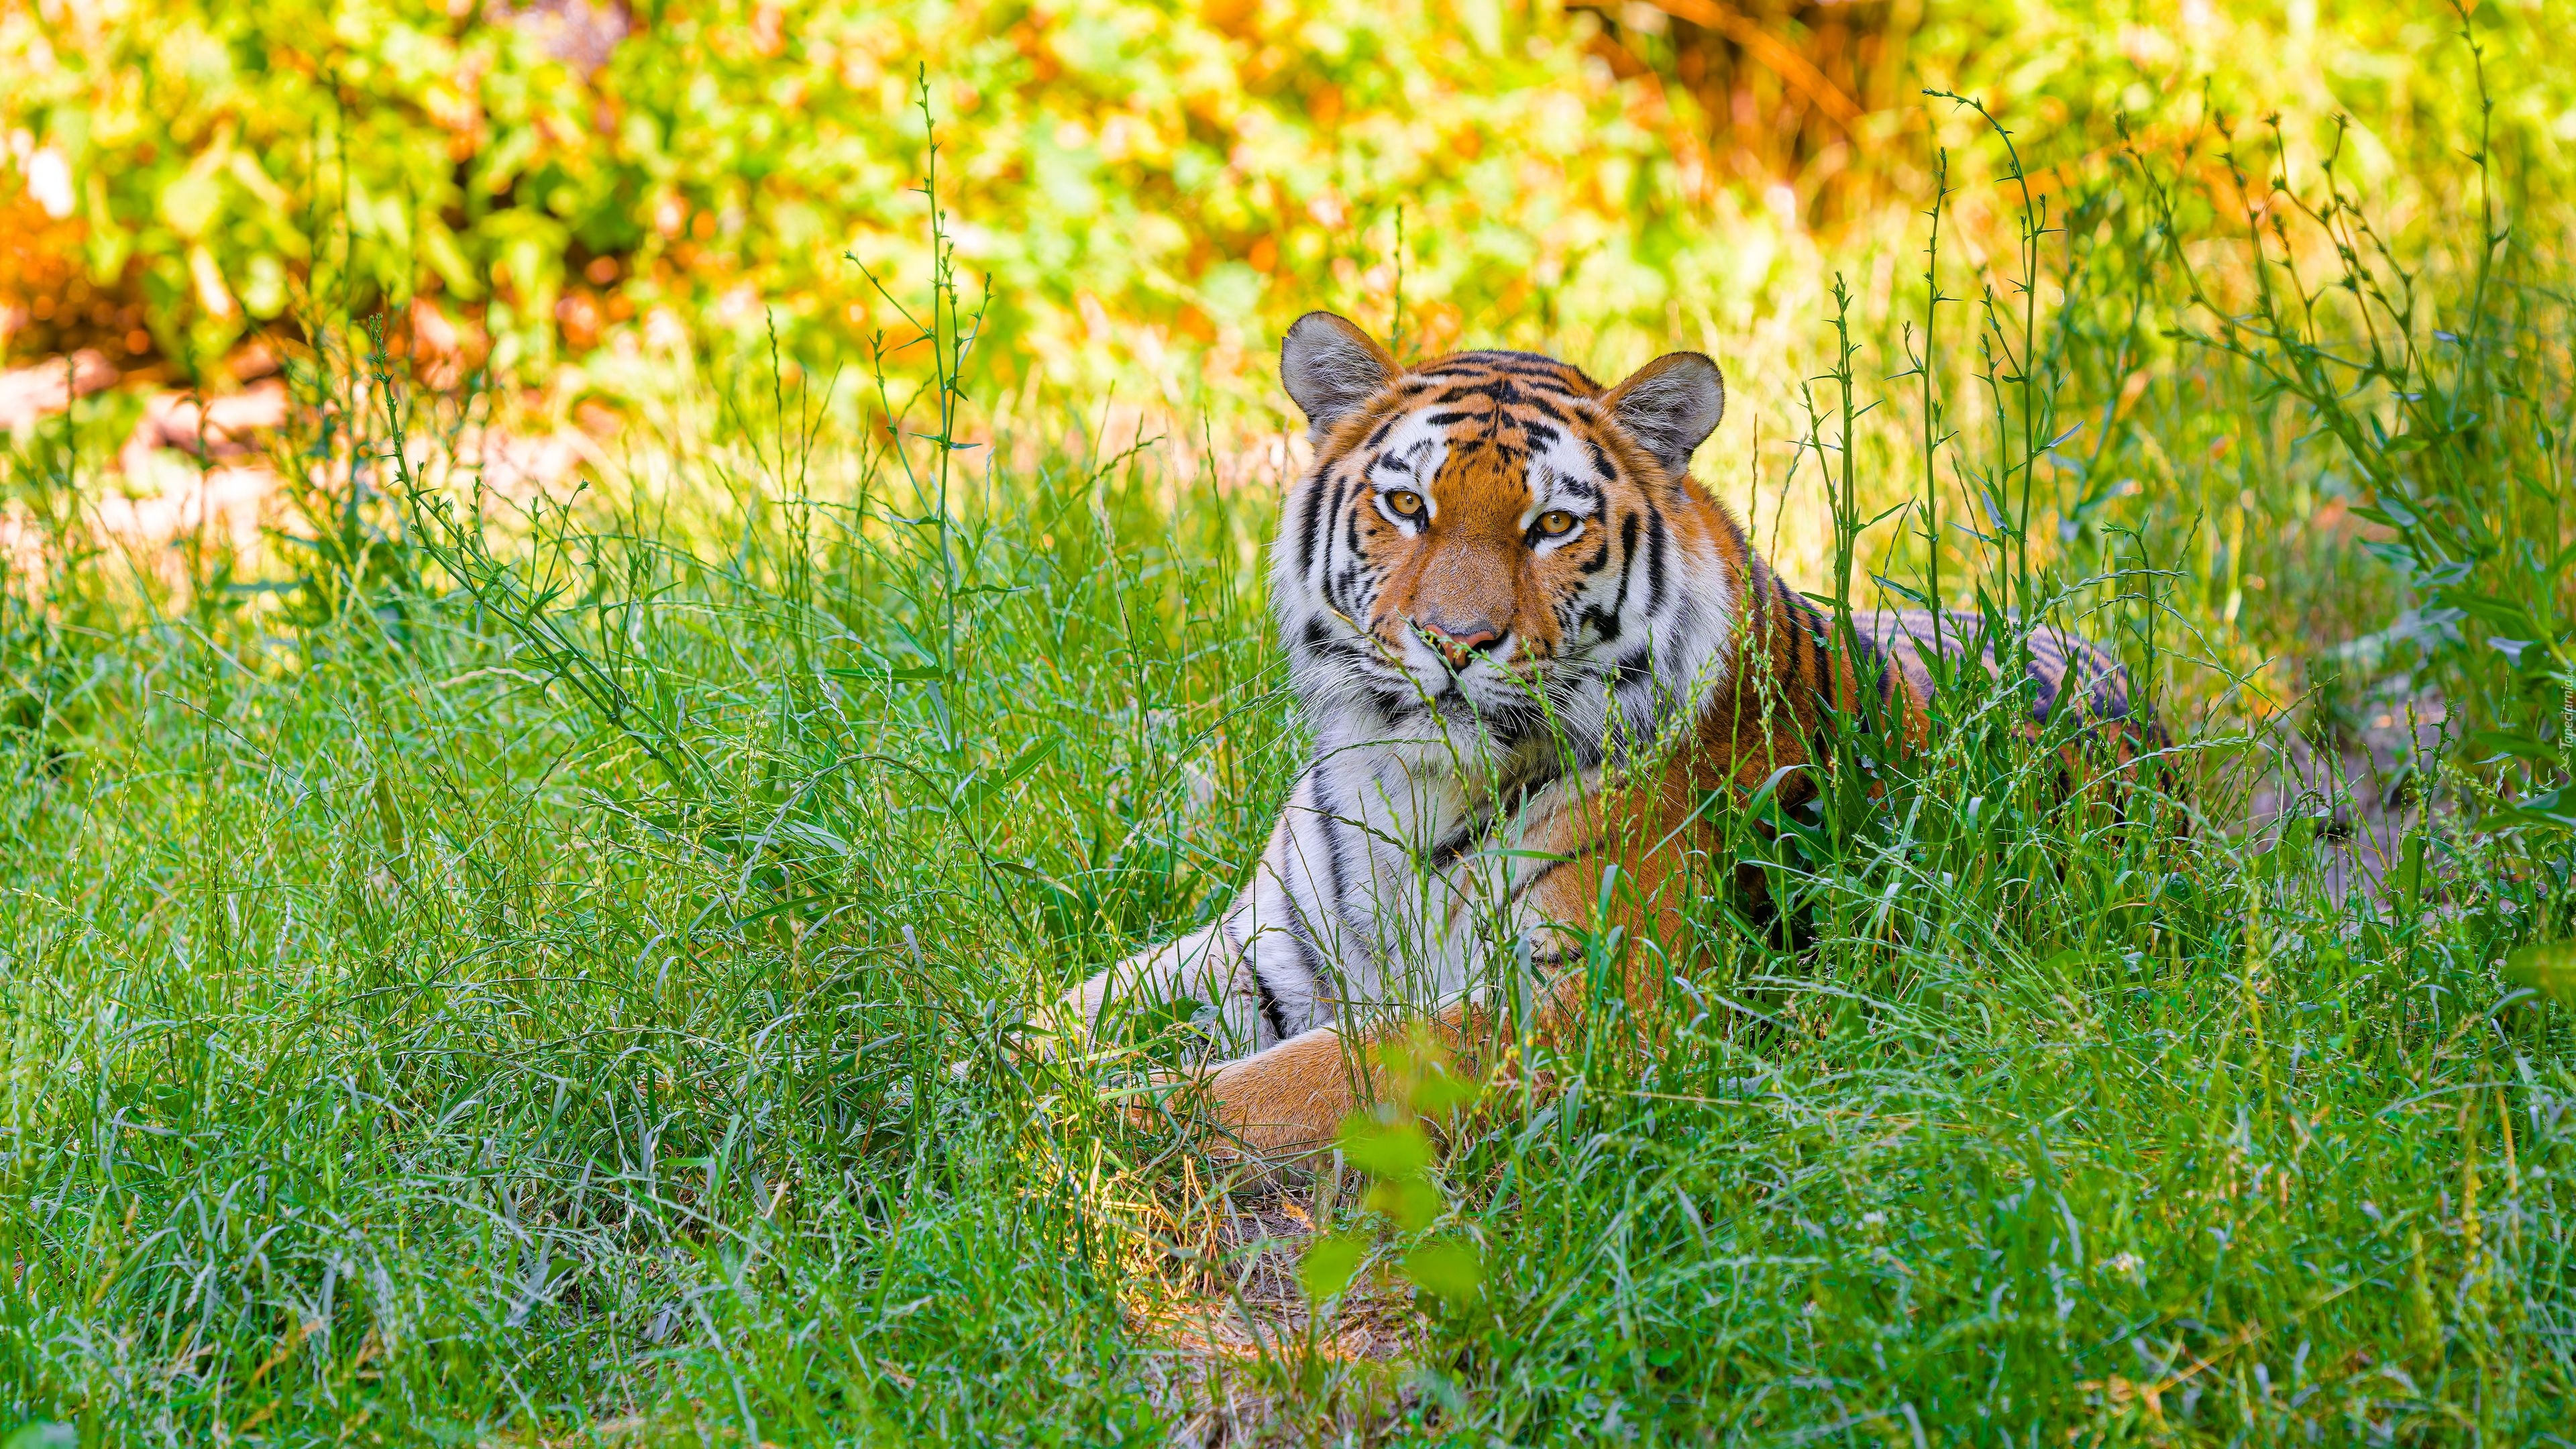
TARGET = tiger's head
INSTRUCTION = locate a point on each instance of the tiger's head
(1493, 540)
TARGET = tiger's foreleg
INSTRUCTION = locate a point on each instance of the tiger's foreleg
(1292, 1098)
(1203, 967)
(1268, 965)
(1606, 862)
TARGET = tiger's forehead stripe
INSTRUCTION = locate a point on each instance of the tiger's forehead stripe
(1514, 400)
(1525, 418)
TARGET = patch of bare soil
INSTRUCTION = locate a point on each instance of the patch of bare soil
(1242, 1358)
(30, 393)
(202, 470)
(2365, 792)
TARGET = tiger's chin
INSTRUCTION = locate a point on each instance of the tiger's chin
(1490, 716)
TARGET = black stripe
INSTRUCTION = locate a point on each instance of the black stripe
(1515, 357)
(1270, 1007)
(1499, 389)
(1332, 827)
(1271, 1011)
(1355, 924)
(2044, 698)
(1318, 966)
(1306, 530)
(1634, 667)
(1884, 682)
(1654, 554)
(1627, 556)
(1315, 637)
(1332, 510)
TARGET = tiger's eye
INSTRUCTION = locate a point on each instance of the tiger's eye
(1405, 502)
(1556, 523)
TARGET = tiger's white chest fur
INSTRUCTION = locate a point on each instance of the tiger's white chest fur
(1362, 899)
(1390, 879)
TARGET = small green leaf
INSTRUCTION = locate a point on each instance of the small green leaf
(2548, 967)
(1448, 1268)
(1440, 1092)
(2063, 965)
(1029, 758)
(2408, 881)
(2291, 849)
(2503, 613)
(1035, 876)
(2518, 743)
(977, 790)
(2555, 807)
(1411, 1205)
(1385, 1150)
(1901, 591)
(1329, 1266)
(899, 674)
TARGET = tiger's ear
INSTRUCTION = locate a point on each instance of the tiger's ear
(1670, 406)
(1331, 367)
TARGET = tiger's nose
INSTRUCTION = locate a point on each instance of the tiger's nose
(1458, 643)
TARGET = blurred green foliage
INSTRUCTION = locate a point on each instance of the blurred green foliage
(1119, 161)
(1147, 185)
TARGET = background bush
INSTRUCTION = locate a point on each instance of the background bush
(1153, 189)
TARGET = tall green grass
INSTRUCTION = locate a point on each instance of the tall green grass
(495, 976)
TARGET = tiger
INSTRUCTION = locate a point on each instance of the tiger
(1530, 649)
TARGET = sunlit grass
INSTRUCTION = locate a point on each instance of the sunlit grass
(501, 982)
